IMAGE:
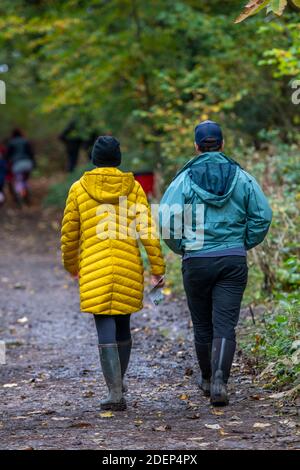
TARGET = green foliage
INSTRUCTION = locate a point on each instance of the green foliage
(271, 6)
(57, 194)
(278, 257)
(146, 71)
(275, 342)
(284, 61)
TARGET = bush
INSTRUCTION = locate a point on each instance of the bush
(58, 192)
(275, 342)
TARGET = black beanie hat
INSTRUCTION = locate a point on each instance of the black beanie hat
(106, 152)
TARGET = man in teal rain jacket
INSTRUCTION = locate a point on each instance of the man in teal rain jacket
(212, 213)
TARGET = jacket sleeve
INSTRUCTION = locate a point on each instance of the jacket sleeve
(70, 234)
(259, 215)
(171, 215)
(148, 234)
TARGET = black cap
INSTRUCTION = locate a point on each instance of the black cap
(106, 152)
(208, 134)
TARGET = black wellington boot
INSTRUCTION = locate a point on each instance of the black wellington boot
(222, 357)
(203, 351)
(111, 368)
(124, 348)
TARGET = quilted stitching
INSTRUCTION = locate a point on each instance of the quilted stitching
(110, 270)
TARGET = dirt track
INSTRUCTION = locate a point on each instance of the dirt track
(51, 385)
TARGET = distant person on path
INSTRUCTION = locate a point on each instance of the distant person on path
(211, 214)
(3, 170)
(21, 158)
(72, 141)
(104, 217)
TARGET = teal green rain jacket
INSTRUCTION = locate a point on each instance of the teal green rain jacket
(213, 204)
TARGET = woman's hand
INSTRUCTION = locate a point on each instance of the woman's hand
(157, 281)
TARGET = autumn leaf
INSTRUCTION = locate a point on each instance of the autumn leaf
(184, 396)
(213, 426)
(22, 320)
(251, 8)
(261, 425)
(60, 418)
(106, 414)
(138, 422)
(295, 4)
(278, 6)
(164, 428)
(254, 6)
(80, 425)
(217, 412)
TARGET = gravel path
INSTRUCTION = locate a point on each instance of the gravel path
(51, 384)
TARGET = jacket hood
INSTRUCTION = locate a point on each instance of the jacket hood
(106, 185)
(213, 178)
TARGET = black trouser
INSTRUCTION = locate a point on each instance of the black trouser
(112, 328)
(214, 289)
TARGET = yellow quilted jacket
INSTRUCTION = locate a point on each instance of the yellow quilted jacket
(95, 242)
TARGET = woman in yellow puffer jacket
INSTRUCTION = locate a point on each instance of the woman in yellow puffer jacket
(106, 213)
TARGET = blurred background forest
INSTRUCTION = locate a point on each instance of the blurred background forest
(148, 72)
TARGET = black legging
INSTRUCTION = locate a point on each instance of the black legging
(112, 328)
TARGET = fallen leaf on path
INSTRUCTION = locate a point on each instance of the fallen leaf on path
(106, 414)
(288, 423)
(184, 396)
(49, 412)
(167, 291)
(289, 393)
(235, 418)
(223, 433)
(10, 385)
(138, 422)
(194, 416)
(22, 320)
(180, 354)
(261, 425)
(60, 418)
(212, 426)
(88, 394)
(195, 438)
(18, 285)
(80, 425)
(164, 428)
(99, 440)
(217, 412)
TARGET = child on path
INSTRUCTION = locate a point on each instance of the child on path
(106, 212)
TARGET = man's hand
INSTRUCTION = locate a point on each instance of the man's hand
(157, 281)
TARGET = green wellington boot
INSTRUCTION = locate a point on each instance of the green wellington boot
(203, 351)
(124, 348)
(222, 357)
(111, 368)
